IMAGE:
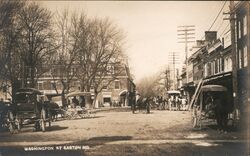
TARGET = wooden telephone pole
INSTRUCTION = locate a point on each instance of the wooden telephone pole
(234, 54)
(186, 33)
(235, 62)
(174, 59)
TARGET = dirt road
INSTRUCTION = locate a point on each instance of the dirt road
(119, 132)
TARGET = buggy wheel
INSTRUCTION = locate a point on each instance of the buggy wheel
(194, 122)
(11, 122)
(194, 118)
(18, 123)
(50, 118)
(43, 120)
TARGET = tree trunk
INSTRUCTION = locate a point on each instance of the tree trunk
(95, 101)
(14, 85)
(64, 101)
(88, 98)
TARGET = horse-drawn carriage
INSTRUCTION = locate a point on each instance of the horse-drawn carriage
(76, 105)
(29, 106)
(212, 103)
(173, 99)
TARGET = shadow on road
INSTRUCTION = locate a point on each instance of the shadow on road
(57, 128)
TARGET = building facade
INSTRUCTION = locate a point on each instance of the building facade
(213, 62)
(115, 91)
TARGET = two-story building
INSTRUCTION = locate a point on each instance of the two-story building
(115, 91)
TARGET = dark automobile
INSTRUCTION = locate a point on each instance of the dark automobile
(29, 104)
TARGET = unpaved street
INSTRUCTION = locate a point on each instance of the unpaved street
(119, 132)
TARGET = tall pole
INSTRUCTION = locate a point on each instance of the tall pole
(174, 68)
(186, 54)
(174, 59)
(188, 32)
(234, 54)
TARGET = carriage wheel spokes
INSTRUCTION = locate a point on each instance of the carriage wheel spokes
(43, 120)
(196, 117)
(11, 122)
(18, 123)
(50, 118)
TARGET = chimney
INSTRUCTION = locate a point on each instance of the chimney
(200, 43)
(210, 36)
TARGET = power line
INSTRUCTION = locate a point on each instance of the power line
(216, 17)
(188, 32)
(226, 29)
(173, 58)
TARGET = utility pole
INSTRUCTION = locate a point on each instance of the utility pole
(186, 32)
(235, 62)
(174, 59)
(234, 54)
(167, 74)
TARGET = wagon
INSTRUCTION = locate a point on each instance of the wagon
(76, 106)
(206, 106)
(29, 106)
(173, 97)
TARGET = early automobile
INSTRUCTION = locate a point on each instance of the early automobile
(31, 106)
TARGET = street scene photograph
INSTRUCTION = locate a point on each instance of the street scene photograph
(124, 78)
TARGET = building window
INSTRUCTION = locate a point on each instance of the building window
(239, 29)
(209, 69)
(216, 66)
(104, 85)
(111, 69)
(219, 64)
(240, 58)
(230, 63)
(226, 64)
(245, 25)
(117, 84)
(222, 64)
(205, 71)
(52, 85)
(212, 68)
(40, 85)
(245, 56)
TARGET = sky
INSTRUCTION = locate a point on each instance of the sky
(150, 26)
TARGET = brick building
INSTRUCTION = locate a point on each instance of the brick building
(115, 91)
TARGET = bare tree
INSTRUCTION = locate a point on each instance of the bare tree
(100, 50)
(37, 38)
(147, 86)
(64, 62)
(10, 64)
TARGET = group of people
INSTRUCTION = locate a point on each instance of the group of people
(170, 103)
(77, 102)
(160, 103)
(177, 103)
